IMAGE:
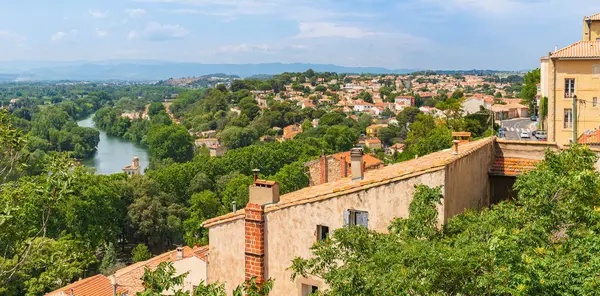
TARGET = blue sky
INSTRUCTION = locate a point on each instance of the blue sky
(425, 34)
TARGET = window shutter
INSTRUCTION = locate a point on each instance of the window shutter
(596, 71)
(363, 219)
(346, 218)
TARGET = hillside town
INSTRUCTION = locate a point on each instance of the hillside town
(306, 183)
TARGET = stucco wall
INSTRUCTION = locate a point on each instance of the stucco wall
(291, 231)
(226, 257)
(197, 272)
(467, 182)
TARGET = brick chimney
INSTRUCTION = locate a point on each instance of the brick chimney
(263, 192)
(356, 163)
(343, 167)
(323, 168)
(255, 242)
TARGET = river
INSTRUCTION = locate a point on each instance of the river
(113, 152)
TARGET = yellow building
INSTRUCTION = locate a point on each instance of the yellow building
(569, 75)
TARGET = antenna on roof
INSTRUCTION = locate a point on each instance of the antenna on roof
(555, 48)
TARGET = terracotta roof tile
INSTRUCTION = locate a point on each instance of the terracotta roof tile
(594, 17)
(581, 49)
(592, 137)
(97, 285)
(369, 160)
(393, 173)
(512, 166)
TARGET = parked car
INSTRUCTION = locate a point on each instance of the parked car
(541, 135)
(525, 135)
(533, 118)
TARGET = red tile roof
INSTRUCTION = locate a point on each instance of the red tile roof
(429, 163)
(370, 161)
(581, 49)
(592, 137)
(594, 17)
(97, 285)
(512, 166)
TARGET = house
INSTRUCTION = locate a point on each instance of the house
(374, 144)
(395, 149)
(97, 285)
(573, 74)
(405, 101)
(373, 130)
(209, 142)
(217, 150)
(474, 105)
(307, 104)
(362, 106)
(127, 281)
(262, 240)
(509, 111)
(335, 167)
(290, 131)
(134, 168)
(208, 134)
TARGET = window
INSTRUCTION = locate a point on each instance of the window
(309, 290)
(595, 102)
(569, 87)
(322, 232)
(596, 71)
(356, 218)
(568, 119)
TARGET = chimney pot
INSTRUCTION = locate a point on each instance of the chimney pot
(234, 207)
(179, 252)
(455, 147)
(356, 159)
(255, 172)
(264, 192)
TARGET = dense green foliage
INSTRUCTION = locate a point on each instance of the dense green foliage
(545, 242)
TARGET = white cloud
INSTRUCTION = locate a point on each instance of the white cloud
(132, 35)
(135, 12)
(244, 47)
(95, 13)
(326, 29)
(58, 36)
(101, 33)
(8, 35)
(157, 31)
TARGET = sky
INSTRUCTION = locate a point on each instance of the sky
(395, 34)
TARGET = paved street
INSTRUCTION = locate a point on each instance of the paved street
(513, 127)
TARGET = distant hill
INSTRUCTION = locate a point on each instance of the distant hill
(159, 70)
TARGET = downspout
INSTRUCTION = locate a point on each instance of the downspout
(589, 23)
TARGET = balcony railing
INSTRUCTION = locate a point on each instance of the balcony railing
(569, 95)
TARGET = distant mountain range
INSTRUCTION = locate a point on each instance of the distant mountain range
(140, 70)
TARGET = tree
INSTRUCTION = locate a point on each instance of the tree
(162, 279)
(291, 177)
(155, 108)
(365, 96)
(529, 90)
(140, 253)
(364, 121)
(340, 138)
(109, 261)
(540, 243)
(236, 137)
(203, 205)
(458, 94)
(172, 141)
(249, 107)
(321, 88)
(498, 95)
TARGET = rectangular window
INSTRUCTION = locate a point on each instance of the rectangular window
(595, 102)
(322, 232)
(569, 87)
(596, 71)
(568, 119)
(308, 290)
(356, 218)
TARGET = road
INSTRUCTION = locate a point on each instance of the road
(513, 128)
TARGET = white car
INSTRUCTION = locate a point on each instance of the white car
(525, 135)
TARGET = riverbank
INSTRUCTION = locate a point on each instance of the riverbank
(113, 153)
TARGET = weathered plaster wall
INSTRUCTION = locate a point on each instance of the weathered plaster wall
(226, 257)
(467, 183)
(292, 231)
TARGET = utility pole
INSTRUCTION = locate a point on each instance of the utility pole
(574, 114)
